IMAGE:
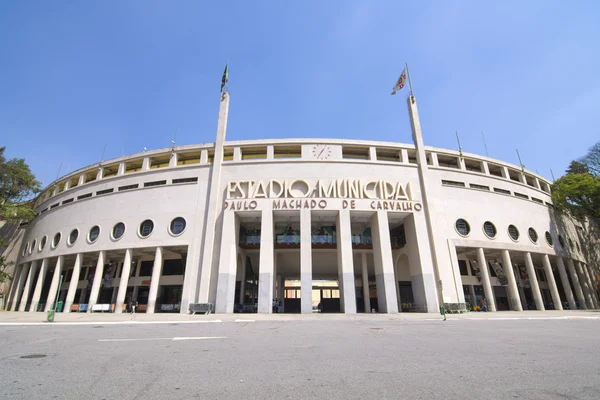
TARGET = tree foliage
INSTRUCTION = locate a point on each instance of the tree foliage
(17, 185)
(578, 192)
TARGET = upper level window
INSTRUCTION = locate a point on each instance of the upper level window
(94, 233)
(462, 227)
(177, 226)
(73, 236)
(533, 235)
(489, 229)
(43, 242)
(146, 228)
(513, 232)
(32, 246)
(56, 240)
(549, 239)
(118, 230)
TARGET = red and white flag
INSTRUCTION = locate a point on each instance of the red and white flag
(401, 81)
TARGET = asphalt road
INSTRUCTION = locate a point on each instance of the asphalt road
(465, 359)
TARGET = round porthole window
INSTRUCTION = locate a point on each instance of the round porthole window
(549, 239)
(513, 232)
(533, 235)
(56, 240)
(561, 241)
(146, 228)
(43, 242)
(177, 226)
(489, 229)
(118, 231)
(462, 227)
(32, 246)
(73, 236)
(94, 234)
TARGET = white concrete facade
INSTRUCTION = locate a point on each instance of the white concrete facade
(399, 227)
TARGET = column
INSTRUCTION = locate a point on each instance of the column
(513, 291)
(37, 293)
(243, 282)
(155, 280)
(552, 283)
(73, 283)
(305, 261)
(20, 285)
(584, 285)
(576, 284)
(345, 262)
(485, 280)
(54, 285)
(384, 264)
(28, 285)
(98, 280)
(13, 286)
(591, 285)
(533, 282)
(280, 290)
(275, 263)
(365, 282)
(125, 272)
(565, 283)
(266, 263)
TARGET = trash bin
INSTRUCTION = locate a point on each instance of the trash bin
(50, 315)
(59, 306)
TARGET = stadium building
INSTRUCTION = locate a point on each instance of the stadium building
(302, 225)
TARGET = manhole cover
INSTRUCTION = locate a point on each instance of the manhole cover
(34, 356)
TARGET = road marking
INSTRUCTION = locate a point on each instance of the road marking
(163, 338)
(244, 320)
(106, 323)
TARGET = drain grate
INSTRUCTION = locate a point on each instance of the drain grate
(34, 356)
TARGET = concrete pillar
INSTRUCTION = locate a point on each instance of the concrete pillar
(345, 261)
(13, 287)
(305, 261)
(552, 283)
(227, 264)
(280, 290)
(125, 272)
(54, 285)
(365, 282)
(275, 264)
(384, 264)
(513, 291)
(155, 280)
(584, 284)
(266, 263)
(20, 286)
(37, 293)
(565, 282)
(73, 283)
(533, 282)
(485, 280)
(98, 280)
(121, 169)
(243, 282)
(28, 285)
(590, 283)
(173, 160)
(576, 284)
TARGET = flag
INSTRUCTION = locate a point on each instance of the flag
(401, 81)
(225, 77)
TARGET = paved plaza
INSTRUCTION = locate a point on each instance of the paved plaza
(513, 355)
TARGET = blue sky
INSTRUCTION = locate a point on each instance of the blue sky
(77, 75)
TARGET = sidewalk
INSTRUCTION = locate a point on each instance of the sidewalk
(26, 318)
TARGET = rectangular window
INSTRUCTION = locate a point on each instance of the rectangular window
(84, 196)
(160, 161)
(521, 195)
(54, 205)
(110, 171)
(173, 267)
(495, 170)
(355, 153)
(389, 155)
(74, 182)
(550, 205)
(492, 271)
(188, 158)
(473, 165)
(67, 201)
(146, 268)
(228, 154)
(480, 187)
(540, 201)
(254, 153)
(133, 166)
(105, 191)
(128, 187)
(185, 180)
(91, 176)
(44, 210)
(503, 191)
(514, 175)
(287, 152)
(530, 180)
(154, 183)
(462, 265)
(453, 183)
(448, 161)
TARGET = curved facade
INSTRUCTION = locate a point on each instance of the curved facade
(333, 225)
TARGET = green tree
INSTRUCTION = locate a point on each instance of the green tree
(578, 192)
(17, 185)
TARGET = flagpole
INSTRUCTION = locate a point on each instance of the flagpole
(409, 82)
(484, 145)
(520, 162)
(459, 146)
